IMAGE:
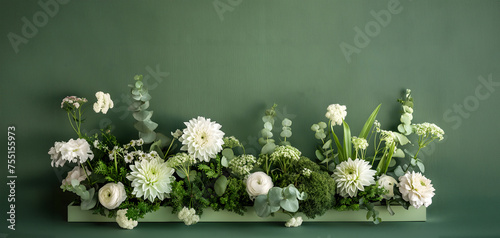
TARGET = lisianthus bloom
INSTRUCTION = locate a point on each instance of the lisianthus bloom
(416, 189)
(202, 138)
(352, 175)
(104, 102)
(336, 113)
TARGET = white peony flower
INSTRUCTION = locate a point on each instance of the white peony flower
(258, 183)
(104, 102)
(202, 138)
(416, 189)
(352, 175)
(188, 216)
(123, 221)
(336, 113)
(77, 173)
(76, 151)
(112, 195)
(55, 155)
(387, 182)
(151, 178)
(294, 222)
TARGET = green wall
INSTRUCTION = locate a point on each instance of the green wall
(232, 62)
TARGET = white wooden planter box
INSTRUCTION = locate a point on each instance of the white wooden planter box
(164, 214)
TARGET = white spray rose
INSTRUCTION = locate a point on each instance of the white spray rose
(258, 183)
(104, 102)
(123, 221)
(112, 195)
(387, 182)
(77, 173)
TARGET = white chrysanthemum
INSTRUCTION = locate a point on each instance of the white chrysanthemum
(352, 175)
(359, 143)
(428, 129)
(336, 113)
(151, 179)
(104, 102)
(294, 222)
(416, 189)
(202, 138)
(76, 151)
(123, 221)
(387, 182)
(286, 152)
(188, 216)
(77, 173)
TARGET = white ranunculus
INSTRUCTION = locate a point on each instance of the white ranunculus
(387, 182)
(416, 189)
(258, 183)
(123, 221)
(77, 173)
(336, 113)
(112, 195)
(76, 151)
(294, 222)
(104, 102)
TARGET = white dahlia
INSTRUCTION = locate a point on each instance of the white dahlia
(416, 189)
(151, 179)
(336, 113)
(352, 175)
(202, 138)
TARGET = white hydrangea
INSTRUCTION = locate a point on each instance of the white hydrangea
(352, 175)
(76, 151)
(294, 222)
(123, 221)
(416, 189)
(188, 216)
(202, 138)
(104, 102)
(336, 113)
(242, 165)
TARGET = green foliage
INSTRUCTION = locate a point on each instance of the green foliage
(364, 200)
(138, 210)
(234, 199)
(279, 198)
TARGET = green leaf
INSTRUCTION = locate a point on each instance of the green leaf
(403, 140)
(90, 203)
(268, 148)
(327, 144)
(421, 166)
(180, 173)
(164, 140)
(142, 115)
(266, 133)
(148, 137)
(261, 206)
(268, 126)
(224, 162)
(145, 97)
(220, 185)
(286, 134)
(342, 156)
(406, 119)
(389, 209)
(228, 153)
(286, 122)
(138, 84)
(192, 175)
(144, 106)
(369, 123)
(290, 205)
(275, 195)
(399, 154)
(290, 192)
(145, 126)
(347, 140)
(399, 171)
(319, 155)
(156, 147)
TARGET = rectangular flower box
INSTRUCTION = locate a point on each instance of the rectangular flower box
(164, 214)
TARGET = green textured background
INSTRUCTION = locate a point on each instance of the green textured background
(231, 67)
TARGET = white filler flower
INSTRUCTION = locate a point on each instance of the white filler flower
(258, 183)
(336, 113)
(352, 175)
(387, 182)
(104, 102)
(202, 138)
(123, 221)
(294, 222)
(151, 179)
(188, 216)
(112, 195)
(76, 151)
(416, 189)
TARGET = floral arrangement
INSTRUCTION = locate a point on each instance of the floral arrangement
(212, 170)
